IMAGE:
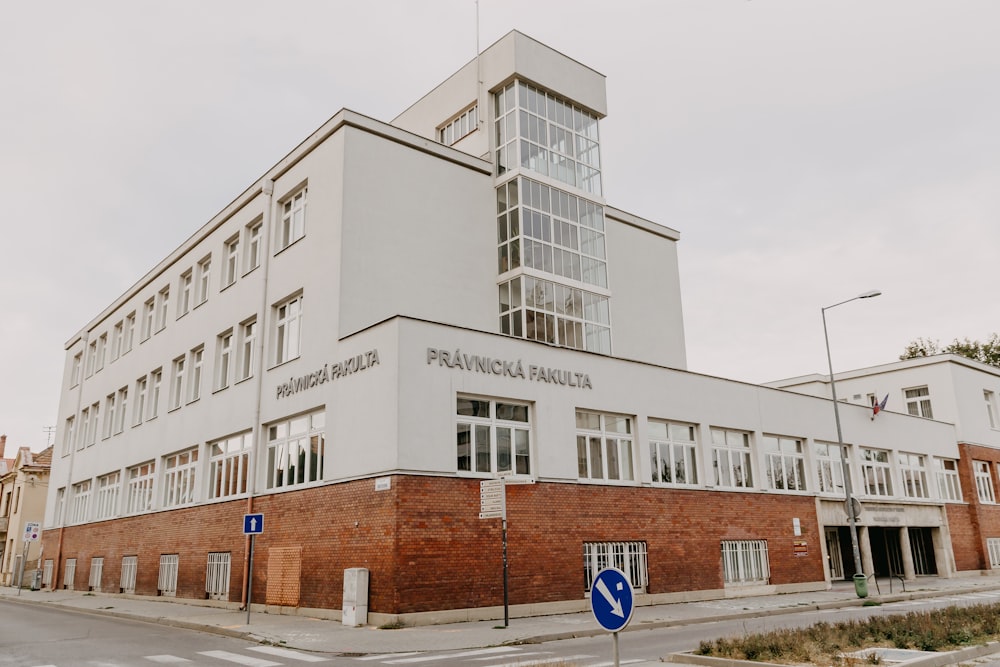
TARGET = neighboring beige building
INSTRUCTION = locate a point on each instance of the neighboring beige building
(23, 485)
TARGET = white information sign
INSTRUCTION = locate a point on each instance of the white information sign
(32, 531)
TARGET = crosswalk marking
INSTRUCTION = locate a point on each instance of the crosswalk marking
(519, 656)
(559, 660)
(288, 653)
(385, 656)
(464, 654)
(247, 660)
(166, 659)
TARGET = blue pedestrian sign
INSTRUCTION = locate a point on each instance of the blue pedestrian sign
(253, 524)
(611, 599)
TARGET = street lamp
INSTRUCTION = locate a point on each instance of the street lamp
(846, 471)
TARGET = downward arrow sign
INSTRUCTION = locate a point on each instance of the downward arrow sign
(616, 605)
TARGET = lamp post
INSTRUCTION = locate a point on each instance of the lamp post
(846, 471)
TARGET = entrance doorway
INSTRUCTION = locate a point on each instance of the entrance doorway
(922, 548)
(834, 560)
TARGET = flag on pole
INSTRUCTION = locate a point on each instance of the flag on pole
(877, 407)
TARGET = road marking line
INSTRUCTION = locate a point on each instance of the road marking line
(247, 660)
(559, 660)
(387, 655)
(464, 654)
(166, 659)
(287, 653)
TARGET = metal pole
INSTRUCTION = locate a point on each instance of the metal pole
(506, 584)
(24, 560)
(848, 490)
(615, 651)
(250, 579)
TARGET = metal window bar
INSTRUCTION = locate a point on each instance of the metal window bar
(166, 582)
(129, 567)
(69, 574)
(47, 573)
(96, 569)
(745, 562)
(993, 546)
(217, 576)
(629, 557)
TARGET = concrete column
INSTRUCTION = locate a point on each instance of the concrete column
(865, 545)
(909, 573)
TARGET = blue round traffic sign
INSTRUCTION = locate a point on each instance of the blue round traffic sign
(611, 599)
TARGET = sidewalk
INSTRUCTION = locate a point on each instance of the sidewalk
(310, 634)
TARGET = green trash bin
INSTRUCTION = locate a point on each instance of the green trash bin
(861, 585)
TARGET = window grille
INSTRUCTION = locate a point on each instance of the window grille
(96, 569)
(745, 562)
(129, 567)
(629, 557)
(47, 573)
(993, 547)
(217, 576)
(166, 582)
(69, 574)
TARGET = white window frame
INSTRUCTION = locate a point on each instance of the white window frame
(148, 319)
(121, 416)
(231, 261)
(785, 463)
(162, 307)
(117, 336)
(913, 470)
(140, 479)
(81, 433)
(732, 458)
(224, 359)
(166, 580)
(491, 436)
(204, 281)
(76, 371)
(130, 567)
(608, 437)
(918, 401)
(155, 385)
(229, 465)
(629, 557)
(292, 223)
(80, 501)
(184, 288)
(830, 467)
(217, 572)
(982, 472)
(141, 396)
(196, 364)
(992, 418)
(876, 471)
(296, 449)
(673, 452)
(287, 329)
(69, 431)
(91, 358)
(109, 415)
(129, 338)
(108, 490)
(248, 349)
(102, 345)
(946, 474)
(745, 563)
(254, 247)
(177, 371)
(95, 413)
(180, 477)
(96, 570)
(69, 574)
(993, 550)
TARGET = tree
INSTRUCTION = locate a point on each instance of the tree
(987, 352)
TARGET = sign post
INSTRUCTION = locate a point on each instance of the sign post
(32, 531)
(253, 524)
(612, 602)
(493, 505)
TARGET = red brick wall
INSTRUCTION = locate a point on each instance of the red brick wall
(983, 519)
(427, 550)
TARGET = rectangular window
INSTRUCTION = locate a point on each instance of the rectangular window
(166, 580)
(95, 411)
(673, 453)
(179, 477)
(148, 311)
(120, 417)
(295, 450)
(117, 336)
(946, 474)
(830, 468)
(993, 548)
(248, 344)
(293, 219)
(69, 434)
(109, 415)
(876, 472)
(913, 469)
(81, 434)
(253, 247)
(80, 507)
(91, 357)
(155, 380)
(745, 562)
(184, 292)
(229, 462)
(223, 359)
(129, 336)
(992, 420)
(204, 280)
(107, 495)
(140, 488)
(629, 557)
(231, 258)
(918, 402)
(47, 567)
(459, 127)
(177, 382)
(102, 345)
(731, 458)
(196, 360)
(604, 446)
(74, 374)
(141, 396)
(493, 436)
(287, 329)
(984, 481)
(786, 464)
(130, 566)
(69, 574)
(217, 576)
(162, 306)
(96, 572)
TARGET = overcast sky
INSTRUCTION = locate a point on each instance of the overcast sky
(806, 151)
